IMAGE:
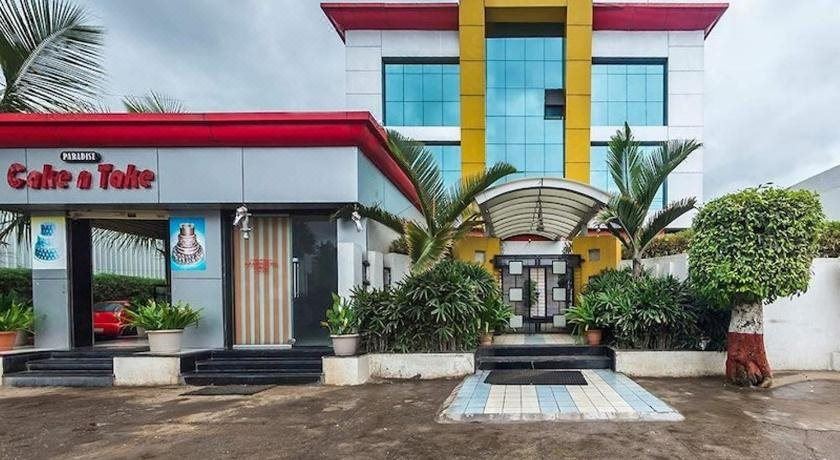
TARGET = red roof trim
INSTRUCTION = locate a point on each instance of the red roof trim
(391, 16)
(657, 16)
(267, 129)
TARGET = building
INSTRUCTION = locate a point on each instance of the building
(827, 185)
(244, 199)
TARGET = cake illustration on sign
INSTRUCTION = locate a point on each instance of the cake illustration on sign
(45, 248)
(188, 250)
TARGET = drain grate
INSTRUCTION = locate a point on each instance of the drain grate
(535, 377)
(225, 390)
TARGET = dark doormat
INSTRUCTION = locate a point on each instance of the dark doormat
(225, 390)
(535, 377)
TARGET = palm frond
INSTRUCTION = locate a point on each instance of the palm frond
(426, 249)
(374, 212)
(51, 57)
(461, 197)
(14, 223)
(152, 102)
(656, 167)
(623, 159)
(662, 218)
(422, 171)
(120, 240)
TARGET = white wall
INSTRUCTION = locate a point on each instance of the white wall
(800, 333)
(685, 54)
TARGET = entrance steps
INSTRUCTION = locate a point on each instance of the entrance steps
(90, 368)
(290, 366)
(495, 357)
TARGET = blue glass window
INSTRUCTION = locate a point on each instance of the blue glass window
(599, 175)
(448, 159)
(422, 95)
(519, 70)
(628, 92)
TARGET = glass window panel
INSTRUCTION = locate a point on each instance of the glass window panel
(432, 113)
(535, 102)
(413, 114)
(432, 87)
(451, 178)
(495, 154)
(553, 131)
(554, 49)
(451, 87)
(393, 86)
(495, 130)
(598, 157)
(599, 87)
(535, 130)
(451, 157)
(636, 85)
(413, 87)
(451, 113)
(554, 157)
(600, 116)
(432, 68)
(394, 114)
(655, 69)
(495, 49)
(515, 155)
(515, 74)
(617, 113)
(534, 49)
(515, 49)
(655, 114)
(617, 69)
(495, 74)
(495, 102)
(515, 130)
(616, 88)
(535, 74)
(515, 102)
(633, 69)
(554, 74)
(636, 113)
(655, 90)
(635, 93)
(534, 158)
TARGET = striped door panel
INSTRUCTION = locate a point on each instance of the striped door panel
(262, 296)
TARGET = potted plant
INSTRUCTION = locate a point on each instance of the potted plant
(494, 317)
(585, 318)
(343, 324)
(9, 299)
(14, 318)
(164, 323)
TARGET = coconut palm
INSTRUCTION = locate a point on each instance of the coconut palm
(447, 215)
(50, 55)
(638, 177)
(152, 102)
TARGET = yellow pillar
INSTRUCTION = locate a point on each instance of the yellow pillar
(578, 89)
(471, 35)
(597, 254)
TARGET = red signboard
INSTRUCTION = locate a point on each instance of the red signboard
(106, 177)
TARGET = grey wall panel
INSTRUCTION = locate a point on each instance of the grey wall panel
(142, 158)
(375, 188)
(50, 297)
(207, 295)
(9, 195)
(300, 175)
(200, 175)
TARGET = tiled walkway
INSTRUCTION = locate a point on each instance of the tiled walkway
(534, 339)
(608, 396)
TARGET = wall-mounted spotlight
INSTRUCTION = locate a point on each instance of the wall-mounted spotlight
(243, 221)
(357, 220)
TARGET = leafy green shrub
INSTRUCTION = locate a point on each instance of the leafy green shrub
(665, 245)
(650, 312)
(495, 316)
(119, 287)
(588, 313)
(830, 239)
(16, 314)
(154, 315)
(17, 280)
(442, 309)
(341, 317)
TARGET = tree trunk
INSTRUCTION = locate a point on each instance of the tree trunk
(637, 267)
(746, 360)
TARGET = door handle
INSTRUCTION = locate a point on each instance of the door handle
(295, 277)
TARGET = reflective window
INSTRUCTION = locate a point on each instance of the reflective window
(629, 92)
(422, 95)
(519, 71)
(448, 159)
(599, 175)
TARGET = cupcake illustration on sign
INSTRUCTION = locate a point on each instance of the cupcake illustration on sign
(187, 237)
(49, 245)
(45, 247)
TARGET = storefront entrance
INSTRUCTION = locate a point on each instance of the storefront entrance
(283, 274)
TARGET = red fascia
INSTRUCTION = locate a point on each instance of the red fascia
(249, 129)
(657, 16)
(391, 16)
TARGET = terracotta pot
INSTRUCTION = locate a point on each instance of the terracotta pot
(345, 345)
(168, 341)
(486, 339)
(593, 337)
(7, 340)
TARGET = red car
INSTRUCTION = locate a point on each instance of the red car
(109, 318)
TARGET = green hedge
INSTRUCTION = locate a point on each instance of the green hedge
(665, 245)
(105, 286)
(830, 239)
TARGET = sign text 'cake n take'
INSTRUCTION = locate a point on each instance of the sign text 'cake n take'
(106, 176)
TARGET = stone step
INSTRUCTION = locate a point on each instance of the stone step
(251, 378)
(543, 350)
(71, 364)
(59, 378)
(252, 364)
(544, 362)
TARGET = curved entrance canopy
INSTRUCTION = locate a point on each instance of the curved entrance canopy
(549, 207)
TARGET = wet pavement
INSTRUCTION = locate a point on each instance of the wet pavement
(397, 420)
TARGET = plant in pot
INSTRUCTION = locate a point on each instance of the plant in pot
(343, 324)
(494, 317)
(9, 300)
(586, 319)
(14, 318)
(164, 323)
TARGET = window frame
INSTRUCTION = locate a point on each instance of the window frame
(641, 144)
(442, 60)
(663, 61)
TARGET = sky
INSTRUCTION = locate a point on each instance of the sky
(772, 91)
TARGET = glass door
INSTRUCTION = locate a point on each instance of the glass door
(314, 277)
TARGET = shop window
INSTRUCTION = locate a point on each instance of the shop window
(629, 90)
(422, 93)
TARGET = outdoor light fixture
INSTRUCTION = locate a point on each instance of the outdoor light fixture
(243, 221)
(357, 220)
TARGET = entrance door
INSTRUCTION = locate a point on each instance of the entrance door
(314, 276)
(262, 286)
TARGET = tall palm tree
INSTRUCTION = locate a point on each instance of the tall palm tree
(50, 55)
(153, 102)
(638, 177)
(447, 215)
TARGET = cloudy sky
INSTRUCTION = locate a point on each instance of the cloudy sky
(772, 73)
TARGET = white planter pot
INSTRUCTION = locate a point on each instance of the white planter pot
(168, 341)
(141, 332)
(345, 345)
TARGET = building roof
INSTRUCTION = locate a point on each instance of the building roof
(234, 129)
(444, 16)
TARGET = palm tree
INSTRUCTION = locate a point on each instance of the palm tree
(638, 177)
(152, 102)
(50, 55)
(447, 215)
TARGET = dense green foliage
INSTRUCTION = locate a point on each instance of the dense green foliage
(649, 312)
(830, 239)
(665, 245)
(442, 309)
(105, 286)
(18, 280)
(638, 178)
(341, 317)
(16, 313)
(154, 315)
(755, 245)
